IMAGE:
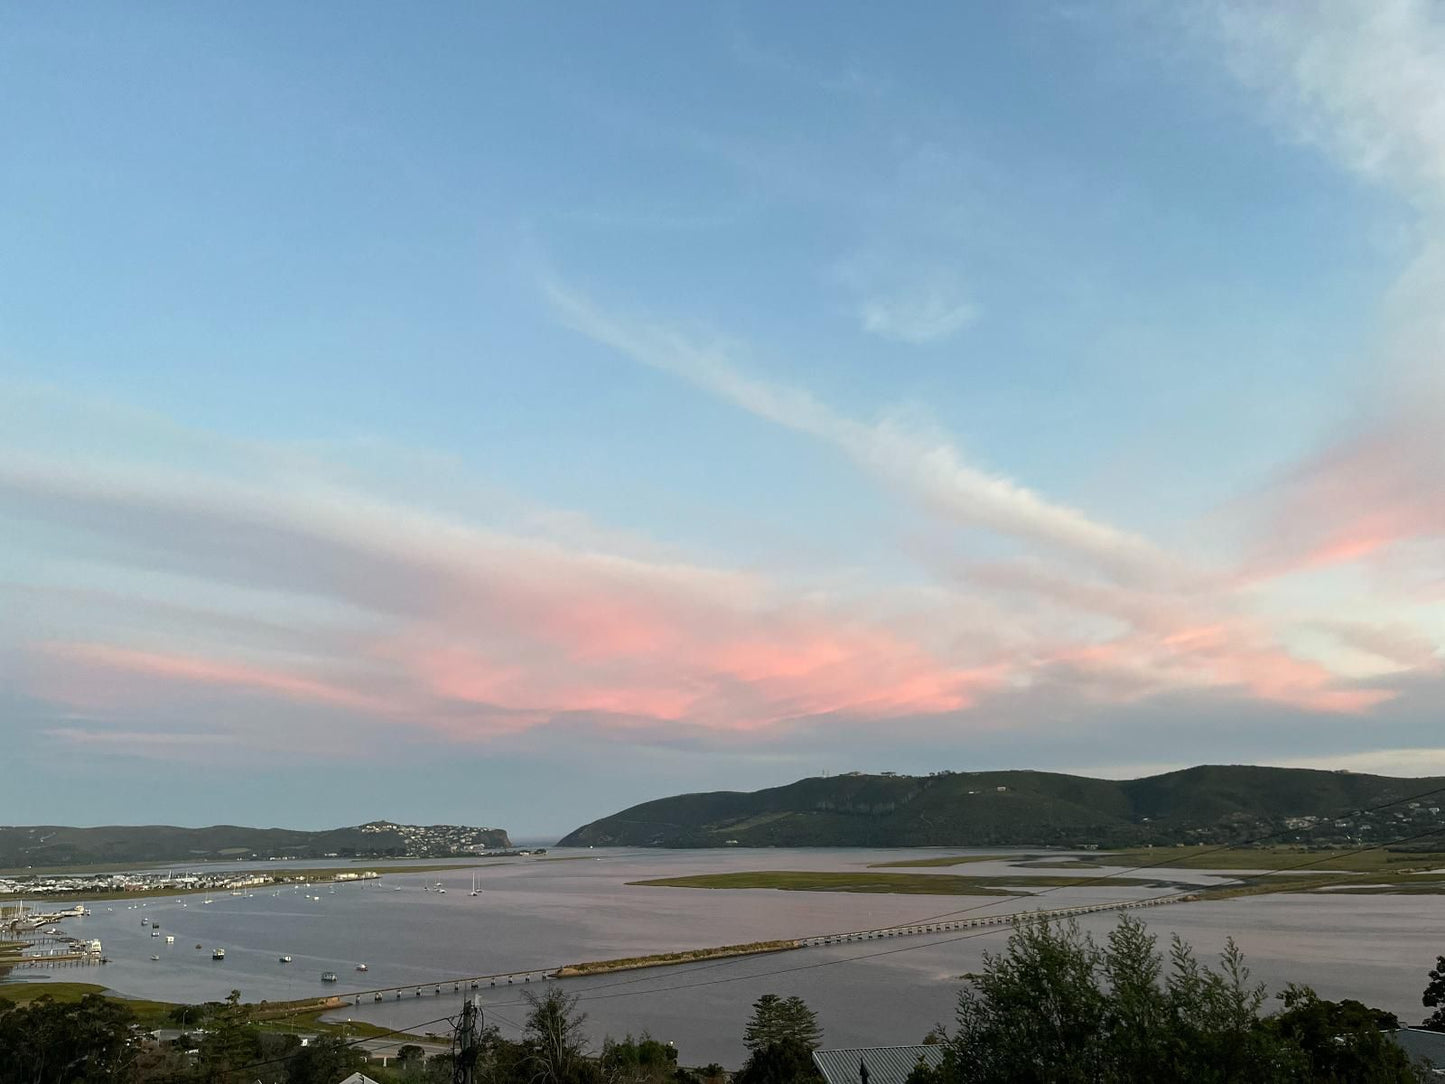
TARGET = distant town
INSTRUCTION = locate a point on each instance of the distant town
(98, 884)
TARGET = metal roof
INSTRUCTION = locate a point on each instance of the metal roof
(886, 1064)
(1422, 1046)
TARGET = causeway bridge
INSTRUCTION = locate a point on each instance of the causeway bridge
(907, 929)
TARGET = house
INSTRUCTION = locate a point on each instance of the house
(874, 1064)
(357, 1078)
(1424, 1046)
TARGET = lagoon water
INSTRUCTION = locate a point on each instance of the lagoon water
(574, 906)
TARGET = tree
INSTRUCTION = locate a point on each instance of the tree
(637, 1061)
(1055, 1007)
(786, 1062)
(1035, 1013)
(781, 1035)
(324, 1061)
(556, 1043)
(1343, 1041)
(232, 1040)
(778, 1020)
(1434, 996)
(87, 1042)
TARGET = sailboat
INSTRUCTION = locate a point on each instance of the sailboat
(475, 891)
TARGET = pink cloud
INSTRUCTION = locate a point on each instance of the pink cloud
(96, 660)
(470, 633)
(1357, 499)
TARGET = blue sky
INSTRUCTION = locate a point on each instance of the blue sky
(408, 413)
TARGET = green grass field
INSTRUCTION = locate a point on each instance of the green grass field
(920, 884)
(285, 1016)
(950, 860)
(1263, 858)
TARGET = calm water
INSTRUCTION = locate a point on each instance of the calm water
(535, 913)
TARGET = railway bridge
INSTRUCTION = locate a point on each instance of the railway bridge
(910, 929)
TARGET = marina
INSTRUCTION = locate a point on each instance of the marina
(541, 917)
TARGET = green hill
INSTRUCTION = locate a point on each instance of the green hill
(1207, 804)
(48, 845)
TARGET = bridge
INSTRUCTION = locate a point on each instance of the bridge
(913, 929)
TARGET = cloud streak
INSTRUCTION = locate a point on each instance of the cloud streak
(928, 469)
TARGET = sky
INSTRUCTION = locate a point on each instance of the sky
(504, 414)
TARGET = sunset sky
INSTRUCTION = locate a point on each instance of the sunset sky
(503, 414)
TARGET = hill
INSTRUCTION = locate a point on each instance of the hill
(1207, 804)
(55, 845)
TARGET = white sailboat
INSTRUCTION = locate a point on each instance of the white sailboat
(475, 890)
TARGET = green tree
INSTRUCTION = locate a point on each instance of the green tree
(1036, 1012)
(324, 1061)
(1434, 996)
(777, 1020)
(557, 1045)
(786, 1062)
(232, 1041)
(637, 1061)
(1344, 1042)
(1054, 1007)
(45, 1042)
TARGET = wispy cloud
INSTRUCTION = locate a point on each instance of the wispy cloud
(926, 466)
(932, 306)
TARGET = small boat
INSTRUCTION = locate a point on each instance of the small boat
(155, 957)
(155, 925)
(328, 976)
(286, 959)
(170, 940)
(155, 933)
(475, 891)
(198, 946)
(362, 967)
(441, 891)
(218, 954)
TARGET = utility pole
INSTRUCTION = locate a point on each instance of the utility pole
(466, 1047)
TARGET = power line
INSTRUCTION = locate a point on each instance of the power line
(354, 1042)
(586, 996)
(1084, 882)
(1314, 860)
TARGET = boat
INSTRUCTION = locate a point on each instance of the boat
(362, 967)
(475, 891)
(218, 954)
(441, 891)
(155, 925)
(170, 940)
(198, 946)
(155, 933)
(328, 976)
(286, 959)
(155, 957)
